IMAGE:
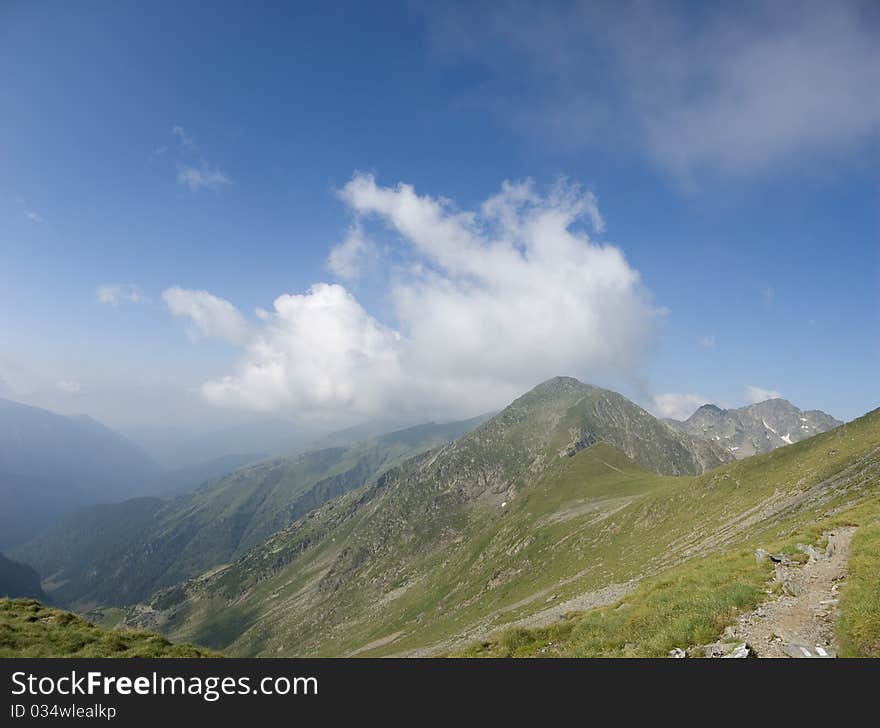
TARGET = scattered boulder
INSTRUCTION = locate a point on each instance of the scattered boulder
(791, 588)
(812, 552)
(741, 651)
(677, 653)
(735, 650)
(802, 651)
(762, 555)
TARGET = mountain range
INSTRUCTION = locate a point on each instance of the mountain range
(566, 499)
(437, 539)
(51, 464)
(756, 428)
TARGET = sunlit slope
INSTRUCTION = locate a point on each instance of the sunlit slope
(501, 526)
(689, 604)
(30, 629)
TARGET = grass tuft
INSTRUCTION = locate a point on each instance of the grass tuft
(29, 629)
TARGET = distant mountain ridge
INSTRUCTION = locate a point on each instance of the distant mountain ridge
(756, 428)
(51, 464)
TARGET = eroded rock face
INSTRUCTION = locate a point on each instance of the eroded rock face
(757, 428)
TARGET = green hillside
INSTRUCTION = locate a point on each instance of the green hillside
(28, 629)
(534, 514)
(118, 554)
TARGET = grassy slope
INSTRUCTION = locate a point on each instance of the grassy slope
(28, 629)
(858, 629)
(118, 554)
(410, 563)
(690, 604)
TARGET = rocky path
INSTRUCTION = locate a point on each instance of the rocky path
(800, 622)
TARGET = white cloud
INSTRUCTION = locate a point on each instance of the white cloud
(317, 351)
(185, 140)
(212, 317)
(29, 212)
(707, 342)
(347, 259)
(69, 386)
(737, 91)
(489, 304)
(677, 406)
(202, 177)
(193, 170)
(115, 293)
(757, 394)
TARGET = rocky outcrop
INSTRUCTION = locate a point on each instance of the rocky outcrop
(757, 428)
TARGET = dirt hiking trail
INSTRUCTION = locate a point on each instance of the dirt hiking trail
(800, 622)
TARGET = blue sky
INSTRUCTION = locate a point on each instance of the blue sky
(198, 165)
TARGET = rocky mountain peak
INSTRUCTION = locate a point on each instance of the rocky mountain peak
(565, 415)
(756, 428)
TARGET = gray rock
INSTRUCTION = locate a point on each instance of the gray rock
(740, 651)
(811, 551)
(762, 555)
(803, 651)
(728, 650)
(757, 428)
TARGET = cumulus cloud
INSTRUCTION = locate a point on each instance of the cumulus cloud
(677, 406)
(113, 294)
(757, 394)
(737, 91)
(347, 259)
(211, 316)
(489, 303)
(317, 351)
